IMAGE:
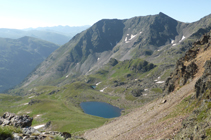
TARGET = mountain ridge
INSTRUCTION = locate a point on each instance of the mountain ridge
(19, 57)
(138, 39)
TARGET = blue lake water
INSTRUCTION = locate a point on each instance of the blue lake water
(100, 109)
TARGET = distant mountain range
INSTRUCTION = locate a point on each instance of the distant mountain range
(57, 34)
(19, 57)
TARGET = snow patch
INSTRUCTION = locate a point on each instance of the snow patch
(144, 94)
(183, 37)
(37, 116)
(174, 44)
(125, 39)
(39, 126)
(140, 32)
(132, 36)
(98, 83)
(67, 76)
(145, 89)
(156, 80)
(127, 34)
(158, 50)
(172, 41)
(103, 89)
(159, 77)
(25, 103)
(136, 79)
(98, 58)
(31, 97)
(159, 82)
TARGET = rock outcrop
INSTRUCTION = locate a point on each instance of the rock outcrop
(28, 132)
(186, 68)
(181, 75)
(15, 120)
(204, 82)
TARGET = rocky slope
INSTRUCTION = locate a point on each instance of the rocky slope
(19, 57)
(183, 113)
(155, 38)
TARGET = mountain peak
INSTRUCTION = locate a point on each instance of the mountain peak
(163, 15)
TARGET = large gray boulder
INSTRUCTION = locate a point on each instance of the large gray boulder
(15, 120)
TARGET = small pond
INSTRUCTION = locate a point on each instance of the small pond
(100, 109)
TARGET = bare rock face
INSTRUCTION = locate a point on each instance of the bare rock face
(181, 75)
(204, 82)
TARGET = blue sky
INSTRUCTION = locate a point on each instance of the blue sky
(40, 13)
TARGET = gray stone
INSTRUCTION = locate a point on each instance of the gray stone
(6, 122)
(30, 130)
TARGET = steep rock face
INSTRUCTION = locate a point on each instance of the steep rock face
(204, 82)
(181, 75)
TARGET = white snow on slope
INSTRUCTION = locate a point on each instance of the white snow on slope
(183, 37)
(39, 126)
(103, 89)
(98, 83)
(125, 39)
(172, 41)
(159, 82)
(31, 97)
(132, 36)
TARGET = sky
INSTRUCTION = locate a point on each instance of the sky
(20, 14)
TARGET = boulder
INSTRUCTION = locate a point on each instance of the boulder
(47, 124)
(137, 92)
(66, 135)
(30, 130)
(113, 62)
(15, 120)
(33, 101)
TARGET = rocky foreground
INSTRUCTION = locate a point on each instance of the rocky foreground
(24, 122)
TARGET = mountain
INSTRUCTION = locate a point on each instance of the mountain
(156, 38)
(125, 63)
(182, 113)
(19, 57)
(44, 35)
(57, 34)
(65, 30)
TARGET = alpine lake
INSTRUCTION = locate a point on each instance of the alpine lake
(100, 109)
